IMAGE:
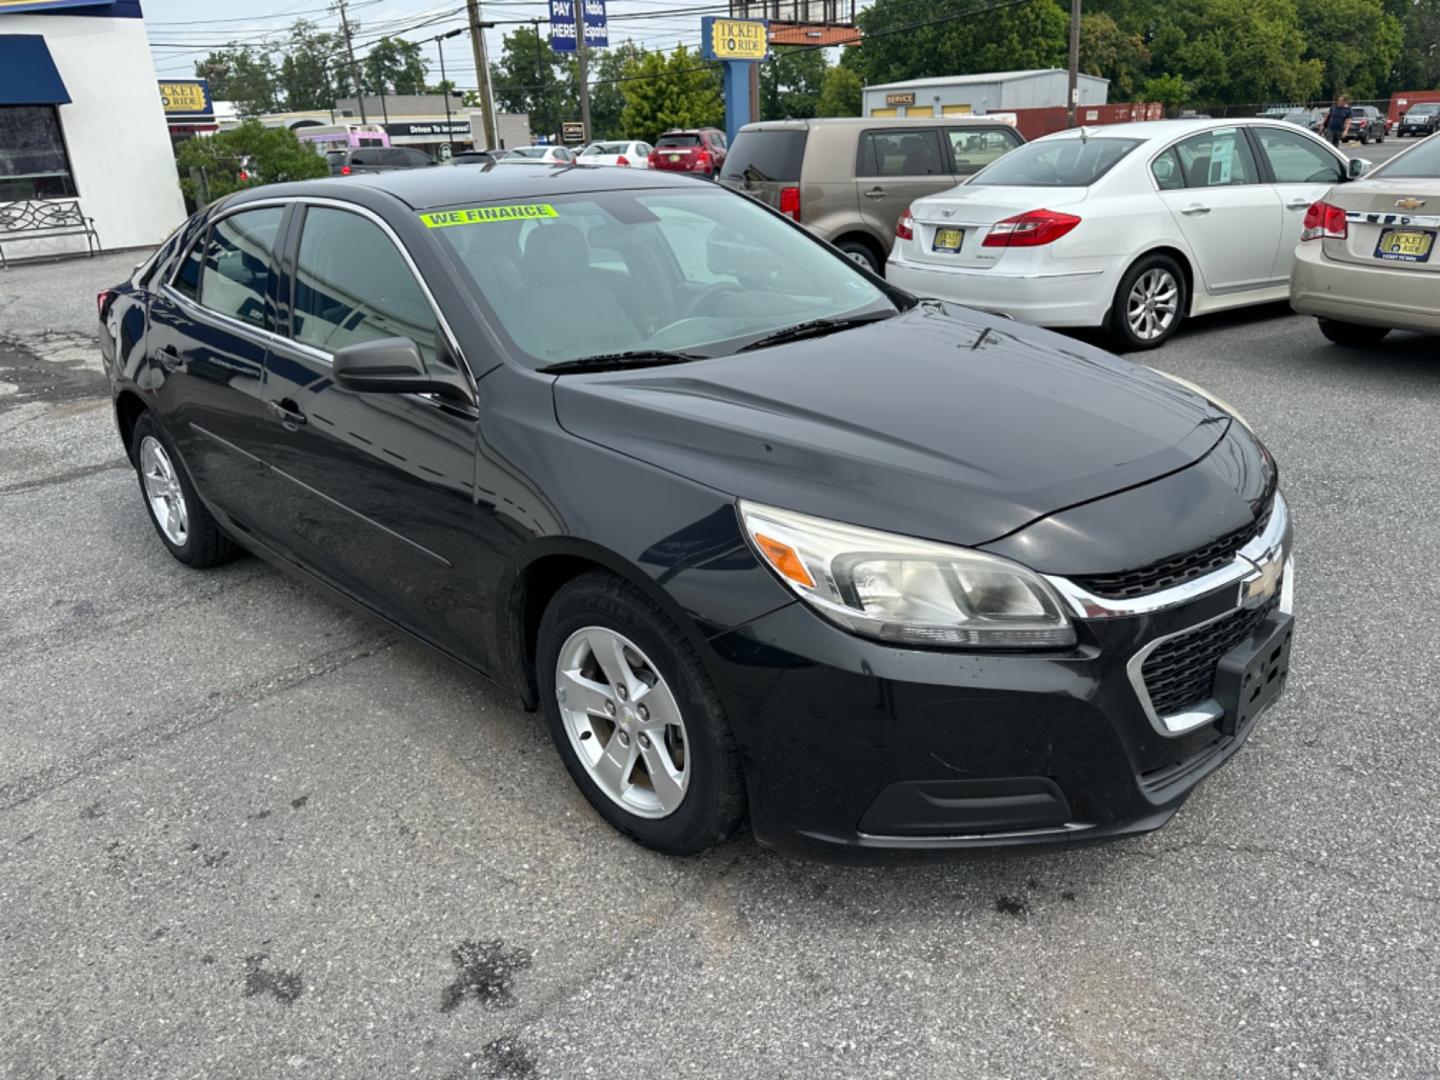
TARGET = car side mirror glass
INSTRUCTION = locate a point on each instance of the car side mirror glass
(1359, 167)
(393, 366)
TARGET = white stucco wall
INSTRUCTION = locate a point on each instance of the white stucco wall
(114, 129)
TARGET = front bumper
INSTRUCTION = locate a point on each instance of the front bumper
(1037, 297)
(858, 750)
(1392, 296)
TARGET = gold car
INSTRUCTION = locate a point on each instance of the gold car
(1368, 261)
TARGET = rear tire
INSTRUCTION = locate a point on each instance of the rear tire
(181, 521)
(1149, 304)
(611, 744)
(1352, 335)
(860, 252)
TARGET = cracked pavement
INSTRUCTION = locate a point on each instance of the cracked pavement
(246, 833)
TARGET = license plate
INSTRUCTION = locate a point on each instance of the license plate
(674, 158)
(1250, 676)
(948, 239)
(1405, 245)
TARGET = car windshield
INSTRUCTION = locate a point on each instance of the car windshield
(604, 148)
(335, 157)
(1426, 110)
(678, 140)
(529, 151)
(1068, 162)
(700, 271)
(1421, 163)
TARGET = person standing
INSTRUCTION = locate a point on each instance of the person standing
(1337, 121)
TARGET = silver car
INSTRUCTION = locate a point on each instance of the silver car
(1367, 262)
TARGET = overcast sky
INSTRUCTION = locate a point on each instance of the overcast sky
(183, 31)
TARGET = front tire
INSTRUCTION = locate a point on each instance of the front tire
(1149, 304)
(636, 720)
(860, 253)
(1352, 335)
(183, 524)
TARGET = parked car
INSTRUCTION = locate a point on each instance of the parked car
(473, 157)
(859, 174)
(1422, 119)
(543, 155)
(700, 150)
(1367, 124)
(1131, 227)
(1305, 118)
(1028, 593)
(371, 159)
(1367, 260)
(632, 155)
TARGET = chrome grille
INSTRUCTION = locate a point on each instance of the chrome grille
(1181, 673)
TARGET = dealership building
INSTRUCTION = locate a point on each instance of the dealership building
(81, 122)
(987, 92)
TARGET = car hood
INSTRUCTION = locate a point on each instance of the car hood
(941, 422)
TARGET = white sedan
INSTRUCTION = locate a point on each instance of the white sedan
(635, 155)
(1131, 227)
(545, 155)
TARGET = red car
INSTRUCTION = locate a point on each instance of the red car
(700, 150)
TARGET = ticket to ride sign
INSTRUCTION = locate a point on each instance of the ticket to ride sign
(733, 39)
(186, 97)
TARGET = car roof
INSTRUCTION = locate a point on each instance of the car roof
(424, 189)
(878, 122)
(1162, 129)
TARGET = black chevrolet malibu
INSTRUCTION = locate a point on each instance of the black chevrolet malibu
(764, 538)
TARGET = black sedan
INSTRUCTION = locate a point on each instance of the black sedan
(764, 538)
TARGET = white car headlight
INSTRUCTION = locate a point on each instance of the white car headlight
(1208, 396)
(899, 589)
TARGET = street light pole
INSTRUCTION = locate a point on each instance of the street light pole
(444, 82)
(1074, 60)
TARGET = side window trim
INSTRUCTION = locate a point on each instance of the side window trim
(293, 252)
(202, 237)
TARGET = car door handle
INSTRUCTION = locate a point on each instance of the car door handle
(1298, 204)
(1195, 208)
(875, 193)
(287, 413)
(169, 358)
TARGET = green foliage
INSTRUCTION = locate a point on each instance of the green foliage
(243, 75)
(791, 82)
(1418, 67)
(1168, 90)
(395, 66)
(1113, 53)
(675, 92)
(268, 155)
(841, 94)
(530, 78)
(1031, 35)
(607, 93)
(315, 70)
(1237, 51)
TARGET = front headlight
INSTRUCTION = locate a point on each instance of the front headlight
(899, 589)
(1208, 396)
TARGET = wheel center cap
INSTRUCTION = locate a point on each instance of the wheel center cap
(627, 717)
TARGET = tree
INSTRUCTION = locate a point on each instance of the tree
(242, 75)
(791, 82)
(1237, 51)
(1356, 41)
(1418, 67)
(264, 155)
(842, 93)
(530, 78)
(607, 95)
(677, 91)
(394, 65)
(1030, 35)
(1168, 90)
(315, 69)
(1113, 53)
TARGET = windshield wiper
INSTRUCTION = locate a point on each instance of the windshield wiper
(620, 361)
(815, 328)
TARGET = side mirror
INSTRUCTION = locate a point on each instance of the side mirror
(1359, 167)
(393, 366)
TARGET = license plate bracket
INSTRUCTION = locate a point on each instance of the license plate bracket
(948, 240)
(1405, 245)
(1251, 676)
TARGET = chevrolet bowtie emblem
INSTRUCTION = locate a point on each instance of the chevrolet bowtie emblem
(1408, 203)
(1259, 589)
(950, 213)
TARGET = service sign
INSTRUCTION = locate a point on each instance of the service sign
(186, 98)
(572, 131)
(900, 99)
(733, 39)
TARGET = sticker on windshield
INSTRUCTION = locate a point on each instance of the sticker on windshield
(478, 215)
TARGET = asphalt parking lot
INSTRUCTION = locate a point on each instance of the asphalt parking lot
(245, 833)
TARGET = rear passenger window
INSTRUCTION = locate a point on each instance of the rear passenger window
(1216, 159)
(353, 285)
(901, 153)
(187, 277)
(1166, 170)
(236, 274)
(973, 150)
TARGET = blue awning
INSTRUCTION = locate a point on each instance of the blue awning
(27, 74)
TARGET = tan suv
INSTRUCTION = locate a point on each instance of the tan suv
(849, 180)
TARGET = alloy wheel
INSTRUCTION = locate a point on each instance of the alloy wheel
(623, 722)
(163, 491)
(1153, 304)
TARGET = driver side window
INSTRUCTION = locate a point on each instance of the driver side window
(1296, 159)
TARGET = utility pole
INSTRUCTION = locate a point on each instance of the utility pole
(354, 67)
(581, 60)
(1074, 60)
(444, 82)
(482, 70)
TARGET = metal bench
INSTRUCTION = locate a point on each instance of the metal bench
(37, 219)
